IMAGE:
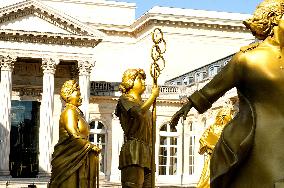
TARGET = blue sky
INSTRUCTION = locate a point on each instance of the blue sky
(239, 6)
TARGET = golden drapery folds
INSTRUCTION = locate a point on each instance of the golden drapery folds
(208, 141)
(75, 159)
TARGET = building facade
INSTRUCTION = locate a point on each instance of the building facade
(46, 42)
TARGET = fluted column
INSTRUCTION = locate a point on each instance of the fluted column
(7, 65)
(85, 67)
(46, 117)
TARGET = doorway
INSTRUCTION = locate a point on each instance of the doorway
(24, 147)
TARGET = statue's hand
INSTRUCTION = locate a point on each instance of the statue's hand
(182, 112)
(96, 149)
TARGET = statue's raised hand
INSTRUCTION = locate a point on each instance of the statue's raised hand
(182, 112)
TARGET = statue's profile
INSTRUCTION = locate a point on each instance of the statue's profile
(136, 122)
(75, 158)
(208, 141)
(250, 151)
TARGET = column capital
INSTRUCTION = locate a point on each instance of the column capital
(49, 65)
(7, 62)
(85, 66)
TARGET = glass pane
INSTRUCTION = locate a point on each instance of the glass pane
(173, 140)
(162, 160)
(92, 125)
(91, 138)
(173, 166)
(100, 125)
(173, 129)
(163, 140)
(173, 151)
(164, 128)
(163, 151)
(191, 170)
(162, 170)
(101, 139)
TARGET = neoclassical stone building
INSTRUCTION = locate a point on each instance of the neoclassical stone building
(45, 42)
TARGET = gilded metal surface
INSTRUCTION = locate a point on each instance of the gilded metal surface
(208, 141)
(159, 63)
(75, 159)
(250, 153)
(136, 122)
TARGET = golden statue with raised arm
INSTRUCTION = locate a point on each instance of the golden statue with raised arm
(136, 122)
(75, 159)
(208, 141)
(250, 151)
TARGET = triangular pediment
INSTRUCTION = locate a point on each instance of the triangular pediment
(34, 16)
(34, 24)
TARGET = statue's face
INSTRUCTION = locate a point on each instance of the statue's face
(139, 84)
(75, 97)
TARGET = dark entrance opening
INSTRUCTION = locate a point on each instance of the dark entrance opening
(24, 139)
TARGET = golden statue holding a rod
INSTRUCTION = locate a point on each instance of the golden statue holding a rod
(137, 153)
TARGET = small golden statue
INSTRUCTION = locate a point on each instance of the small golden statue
(75, 158)
(250, 151)
(136, 122)
(208, 141)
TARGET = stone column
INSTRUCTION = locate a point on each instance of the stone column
(7, 65)
(46, 117)
(116, 134)
(85, 67)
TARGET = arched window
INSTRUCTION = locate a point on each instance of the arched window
(98, 137)
(168, 151)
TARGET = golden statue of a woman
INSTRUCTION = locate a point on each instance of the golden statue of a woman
(75, 159)
(208, 141)
(250, 151)
(136, 122)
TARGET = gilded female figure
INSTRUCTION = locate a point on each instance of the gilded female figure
(250, 151)
(136, 121)
(208, 141)
(75, 159)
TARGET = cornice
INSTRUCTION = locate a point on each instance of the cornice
(59, 19)
(100, 3)
(48, 38)
(155, 19)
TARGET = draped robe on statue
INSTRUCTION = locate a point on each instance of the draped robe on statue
(74, 163)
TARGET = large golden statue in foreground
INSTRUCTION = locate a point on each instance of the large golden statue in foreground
(208, 141)
(75, 159)
(250, 151)
(136, 122)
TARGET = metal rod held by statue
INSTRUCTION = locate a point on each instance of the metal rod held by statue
(158, 49)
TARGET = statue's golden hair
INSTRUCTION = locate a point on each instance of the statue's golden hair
(68, 88)
(266, 16)
(128, 79)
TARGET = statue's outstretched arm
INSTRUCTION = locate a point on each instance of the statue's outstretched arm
(202, 100)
